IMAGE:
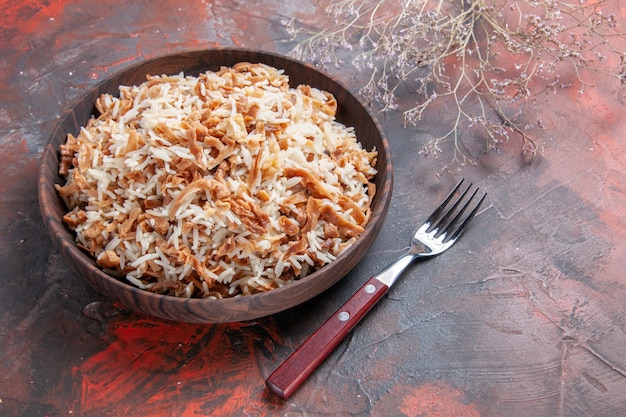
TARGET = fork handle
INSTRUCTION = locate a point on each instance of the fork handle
(286, 379)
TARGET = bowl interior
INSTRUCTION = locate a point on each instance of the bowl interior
(350, 112)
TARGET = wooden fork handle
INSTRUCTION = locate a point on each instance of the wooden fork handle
(286, 379)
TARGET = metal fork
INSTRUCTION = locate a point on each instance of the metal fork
(438, 233)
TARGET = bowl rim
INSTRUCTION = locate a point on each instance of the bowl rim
(64, 239)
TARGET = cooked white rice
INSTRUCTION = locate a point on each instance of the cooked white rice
(225, 184)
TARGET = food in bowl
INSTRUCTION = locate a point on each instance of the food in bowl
(226, 184)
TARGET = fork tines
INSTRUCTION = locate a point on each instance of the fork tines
(449, 223)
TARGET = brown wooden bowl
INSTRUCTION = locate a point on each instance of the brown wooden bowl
(351, 112)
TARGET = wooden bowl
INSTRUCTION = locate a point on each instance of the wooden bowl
(351, 112)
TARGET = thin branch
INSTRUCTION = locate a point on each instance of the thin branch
(480, 54)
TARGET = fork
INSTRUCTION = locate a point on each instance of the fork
(438, 233)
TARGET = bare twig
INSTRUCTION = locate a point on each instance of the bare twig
(482, 55)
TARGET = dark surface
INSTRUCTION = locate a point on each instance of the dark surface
(525, 315)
